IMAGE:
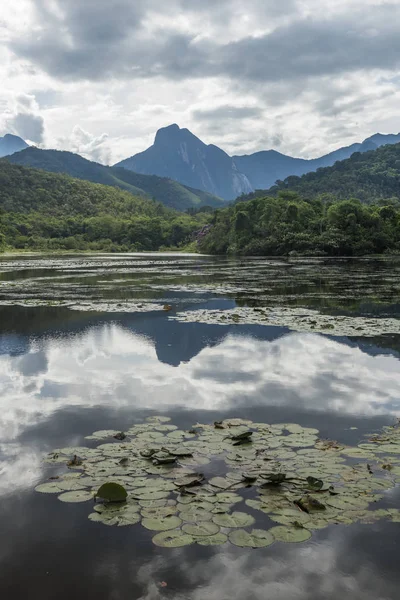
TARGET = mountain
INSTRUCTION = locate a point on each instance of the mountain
(168, 192)
(51, 211)
(180, 155)
(10, 144)
(368, 176)
(264, 168)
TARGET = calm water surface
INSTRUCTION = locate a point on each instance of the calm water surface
(65, 372)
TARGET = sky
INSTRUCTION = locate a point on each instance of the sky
(99, 77)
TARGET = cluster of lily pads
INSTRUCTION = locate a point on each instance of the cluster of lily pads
(297, 319)
(234, 481)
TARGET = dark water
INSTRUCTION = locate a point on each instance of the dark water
(65, 373)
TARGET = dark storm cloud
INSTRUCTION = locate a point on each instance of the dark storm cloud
(227, 112)
(96, 40)
(312, 48)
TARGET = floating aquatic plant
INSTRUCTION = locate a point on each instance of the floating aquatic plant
(150, 474)
(297, 319)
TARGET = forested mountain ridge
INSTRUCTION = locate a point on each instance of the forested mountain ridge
(169, 192)
(264, 168)
(42, 210)
(368, 176)
(287, 224)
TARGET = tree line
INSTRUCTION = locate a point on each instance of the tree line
(289, 224)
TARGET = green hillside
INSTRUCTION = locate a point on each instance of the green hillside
(39, 209)
(369, 176)
(167, 191)
(288, 224)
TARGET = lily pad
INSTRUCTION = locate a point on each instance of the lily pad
(200, 529)
(48, 488)
(212, 540)
(257, 538)
(236, 519)
(221, 483)
(290, 534)
(112, 492)
(162, 523)
(77, 496)
(158, 511)
(173, 539)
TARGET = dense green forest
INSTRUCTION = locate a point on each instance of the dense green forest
(287, 224)
(164, 190)
(368, 176)
(40, 210)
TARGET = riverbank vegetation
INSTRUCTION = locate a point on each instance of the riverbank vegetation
(288, 223)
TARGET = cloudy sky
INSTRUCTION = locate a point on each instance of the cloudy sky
(99, 77)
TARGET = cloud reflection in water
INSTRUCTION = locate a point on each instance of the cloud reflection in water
(111, 366)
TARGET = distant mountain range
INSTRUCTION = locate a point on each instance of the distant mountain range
(180, 155)
(10, 144)
(181, 171)
(264, 168)
(169, 192)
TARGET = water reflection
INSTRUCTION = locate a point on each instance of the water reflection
(111, 366)
(58, 388)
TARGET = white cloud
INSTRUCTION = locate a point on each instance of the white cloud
(317, 74)
(22, 118)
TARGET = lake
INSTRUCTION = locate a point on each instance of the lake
(98, 342)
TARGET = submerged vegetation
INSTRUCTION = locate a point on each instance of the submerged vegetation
(278, 482)
(47, 211)
(290, 224)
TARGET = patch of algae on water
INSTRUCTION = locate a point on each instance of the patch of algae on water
(301, 482)
(297, 319)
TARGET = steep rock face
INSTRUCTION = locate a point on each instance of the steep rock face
(180, 155)
(9, 144)
(264, 168)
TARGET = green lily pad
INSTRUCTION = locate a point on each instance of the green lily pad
(347, 502)
(173, 539)
(290, 534)
(290, 516)
(158, 511)
(149, 494)
(212, 540)
(221, 483)
(200, 529)
(77, 496)
(158, 419)
(257, 538)
(236, 519)
(48, 488)
(69, 485)
(112, 492)
(162, 523)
